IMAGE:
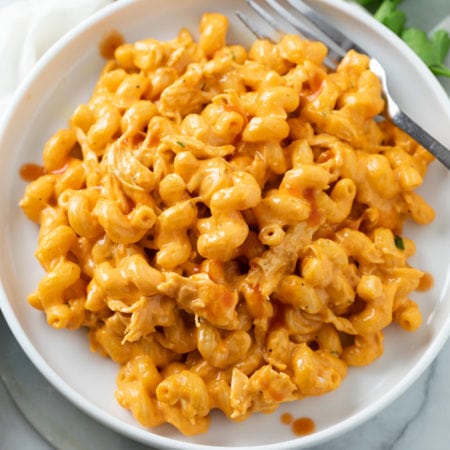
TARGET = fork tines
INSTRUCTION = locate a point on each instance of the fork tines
(287, 15)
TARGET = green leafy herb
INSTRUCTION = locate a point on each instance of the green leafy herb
(399, 242)
(388, 14)
(371, 5)
(432, 50)
(368, 2)
(181, 144)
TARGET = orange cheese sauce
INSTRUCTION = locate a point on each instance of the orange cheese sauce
(109, 43)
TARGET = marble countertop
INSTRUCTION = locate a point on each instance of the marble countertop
(419, 419)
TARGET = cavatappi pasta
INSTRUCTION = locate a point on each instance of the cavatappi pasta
(227, 224)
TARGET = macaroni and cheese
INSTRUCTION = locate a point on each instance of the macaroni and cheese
(227, 223)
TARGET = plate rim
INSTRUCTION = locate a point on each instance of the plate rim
(140, 434)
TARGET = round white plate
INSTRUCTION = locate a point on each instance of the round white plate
(64, 78)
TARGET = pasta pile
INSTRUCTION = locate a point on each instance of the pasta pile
(227, 224)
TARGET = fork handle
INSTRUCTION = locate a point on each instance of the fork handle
(404, 122)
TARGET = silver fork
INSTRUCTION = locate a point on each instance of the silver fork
(303, 19)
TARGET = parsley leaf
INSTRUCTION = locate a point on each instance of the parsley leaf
(432, 50)
(371, 5)
(388, 14)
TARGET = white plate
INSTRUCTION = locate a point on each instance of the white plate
(63, 79)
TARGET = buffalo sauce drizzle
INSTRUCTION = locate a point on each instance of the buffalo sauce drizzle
(31, 171)
(110, 41)
(300, 426)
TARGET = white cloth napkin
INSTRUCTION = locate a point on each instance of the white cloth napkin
(28, 28)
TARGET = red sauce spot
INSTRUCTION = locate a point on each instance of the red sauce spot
(30, 171)
(303, 426)
(109, 43)
(286, 418)
(316, 85)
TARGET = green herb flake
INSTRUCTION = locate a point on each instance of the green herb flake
(399, 243)
(181, 144)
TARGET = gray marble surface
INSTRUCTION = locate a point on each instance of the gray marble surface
(419, 419)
